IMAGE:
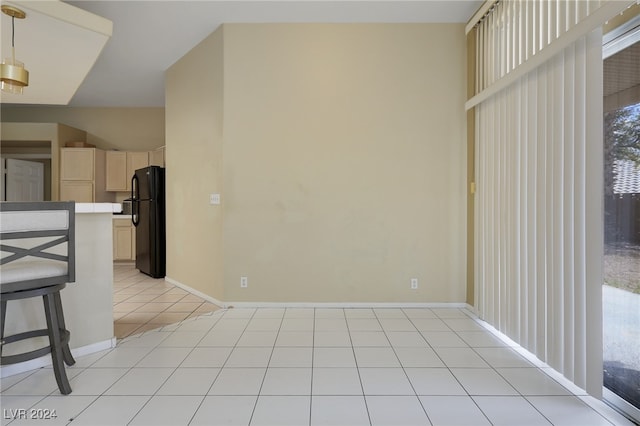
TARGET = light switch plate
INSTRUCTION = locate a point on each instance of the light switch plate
(214, 199)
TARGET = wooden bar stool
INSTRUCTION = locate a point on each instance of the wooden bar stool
(29, 268)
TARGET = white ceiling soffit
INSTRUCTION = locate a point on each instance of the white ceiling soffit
(149, 36)
(58, 43)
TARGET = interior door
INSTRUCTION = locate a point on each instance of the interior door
(24, 180)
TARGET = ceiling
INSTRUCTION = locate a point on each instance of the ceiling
(58, 44)
(149, 36)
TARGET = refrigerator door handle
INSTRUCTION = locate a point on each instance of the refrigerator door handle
(135, 203)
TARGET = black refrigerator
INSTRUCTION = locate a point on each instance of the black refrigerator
(148, 216)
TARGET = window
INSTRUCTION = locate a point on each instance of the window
(621, 290)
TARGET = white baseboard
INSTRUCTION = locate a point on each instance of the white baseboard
(229, 305)
(472, 309)
(343, 305)
(196, 292)
(45, 360)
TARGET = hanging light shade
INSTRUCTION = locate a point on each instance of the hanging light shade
(12, 72)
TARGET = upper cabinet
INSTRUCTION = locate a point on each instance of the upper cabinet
(77, 164)
(82, 172)
(116, 171)
(135, 161)
(156, 158)
(121, 165)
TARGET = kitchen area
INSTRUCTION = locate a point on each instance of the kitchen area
(120, 168)
(55, 151)
(99, 181)
(75, 170)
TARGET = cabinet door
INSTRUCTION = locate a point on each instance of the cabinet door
(156, 158)
(117, 171)
(122, 244)
(135, 161)
(80, 192)
(77, 163)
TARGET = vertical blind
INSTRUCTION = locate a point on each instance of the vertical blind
(539, 212)
(532, 201)
(515, 30)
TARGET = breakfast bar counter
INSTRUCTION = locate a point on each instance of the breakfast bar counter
(87, 303)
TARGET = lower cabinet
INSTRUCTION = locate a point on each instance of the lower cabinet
(124, 239)
(78, 191)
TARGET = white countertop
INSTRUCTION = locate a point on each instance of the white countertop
(98, 208)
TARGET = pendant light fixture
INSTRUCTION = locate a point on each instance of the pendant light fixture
(12, 72)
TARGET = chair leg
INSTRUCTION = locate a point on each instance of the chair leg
(66, 352)
(3, 316)
(57, 356)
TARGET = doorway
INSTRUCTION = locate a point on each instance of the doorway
(26, 173)
(22, 180)
(621, 289)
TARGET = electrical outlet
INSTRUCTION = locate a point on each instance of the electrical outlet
(414, 283)
(244, 282)
(214, 199)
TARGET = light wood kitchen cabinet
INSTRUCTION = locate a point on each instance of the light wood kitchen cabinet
(77, 164)
(82, 176)
(156, 157)
(121, 165)
(116, 171)
(135, 161)
(124, 239)
(78, 191)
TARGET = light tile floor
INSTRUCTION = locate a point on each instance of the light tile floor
(142, 303)
(306, 367)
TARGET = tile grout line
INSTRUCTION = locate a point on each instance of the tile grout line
(173, 329)
(174, 370)
(415, 393)
(129, 369)
(255, 405)
(473, 349)
(204, 397)
(449, 368)
(355, 359)
(170, 375)
(521, 395)
(313, 350)
(138, 280)
(495, 369)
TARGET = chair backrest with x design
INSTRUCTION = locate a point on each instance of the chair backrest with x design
(33, 234)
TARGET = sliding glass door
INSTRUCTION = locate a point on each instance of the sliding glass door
(621, 290)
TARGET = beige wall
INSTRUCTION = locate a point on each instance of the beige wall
(133, 129)
(194, 160)
(344, 163)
